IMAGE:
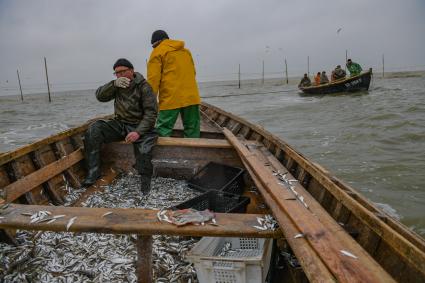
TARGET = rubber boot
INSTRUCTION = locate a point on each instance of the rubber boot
(93, 169)
(145, 184)
(92, 157)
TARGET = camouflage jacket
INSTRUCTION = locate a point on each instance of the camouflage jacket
(305, 82)
(354, 69)
(339, 73)
(133, 105)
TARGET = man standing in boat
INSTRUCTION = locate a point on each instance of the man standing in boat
(354, 68)
(171, 73)
(136, 109)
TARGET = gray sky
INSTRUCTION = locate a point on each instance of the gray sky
(82, 39)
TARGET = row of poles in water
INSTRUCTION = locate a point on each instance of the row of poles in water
(239, 74)
(47, 80)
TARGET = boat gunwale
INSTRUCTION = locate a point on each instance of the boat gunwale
(397, 232)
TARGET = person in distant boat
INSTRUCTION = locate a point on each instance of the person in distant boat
(338, 73)
(135, 107)
(324, 78)
(317, 78)
(171, 73)
(305, 81)
(354, 68)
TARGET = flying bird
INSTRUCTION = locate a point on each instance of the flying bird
(338, 30)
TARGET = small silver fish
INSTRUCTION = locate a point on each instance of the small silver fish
(70, 222)
(106, 213)
(59, 216)
(344, 252)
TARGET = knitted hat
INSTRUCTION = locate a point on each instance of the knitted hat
(123, 63)
(158, 35)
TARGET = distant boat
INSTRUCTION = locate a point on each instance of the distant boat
(350, 84)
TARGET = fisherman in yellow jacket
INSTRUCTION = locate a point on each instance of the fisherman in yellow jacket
(171, 74)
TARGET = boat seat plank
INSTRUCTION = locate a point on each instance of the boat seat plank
(191, 142)
(131, 221)
(36, 178)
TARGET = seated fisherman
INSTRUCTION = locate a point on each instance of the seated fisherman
(338, 73)
(324, 78)
(317, 78)
(134, 121)
(354, 68)
(305, 81)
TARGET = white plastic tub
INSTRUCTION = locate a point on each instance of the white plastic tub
(247, 262)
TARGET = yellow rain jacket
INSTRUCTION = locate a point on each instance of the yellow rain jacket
(171, 74)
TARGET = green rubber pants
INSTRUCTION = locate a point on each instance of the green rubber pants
(190, 117)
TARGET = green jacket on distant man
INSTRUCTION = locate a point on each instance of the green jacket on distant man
(354, 68)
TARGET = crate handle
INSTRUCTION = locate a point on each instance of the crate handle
(235, 266)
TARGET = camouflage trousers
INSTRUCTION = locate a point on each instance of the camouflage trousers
(106, 131)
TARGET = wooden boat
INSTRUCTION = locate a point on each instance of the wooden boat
(351, 84)
(336, 234)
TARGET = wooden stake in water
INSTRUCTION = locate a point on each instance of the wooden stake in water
(263, 73)
(383, 65)
(346, 58)
(286, 72)
(20, 88)
(47, 78)
(308, 65)
(239, 75)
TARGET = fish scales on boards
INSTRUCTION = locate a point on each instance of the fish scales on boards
(91, 257)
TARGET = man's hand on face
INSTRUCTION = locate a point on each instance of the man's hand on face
(132, 137)
(122, 82)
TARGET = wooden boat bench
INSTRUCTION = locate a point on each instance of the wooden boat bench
(35, 179)
(142, 222)
(129, 221)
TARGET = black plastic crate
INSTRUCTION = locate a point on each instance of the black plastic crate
(216, 201)
(219, 177)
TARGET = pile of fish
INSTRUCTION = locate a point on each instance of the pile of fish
(91, 257)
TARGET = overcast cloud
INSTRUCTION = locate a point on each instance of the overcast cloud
(82, 39)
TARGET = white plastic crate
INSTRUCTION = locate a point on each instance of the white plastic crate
(248, 264)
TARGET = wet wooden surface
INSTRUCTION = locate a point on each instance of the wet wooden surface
(144, 259)
(328, 242)
(32, 180)
(130, 221)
